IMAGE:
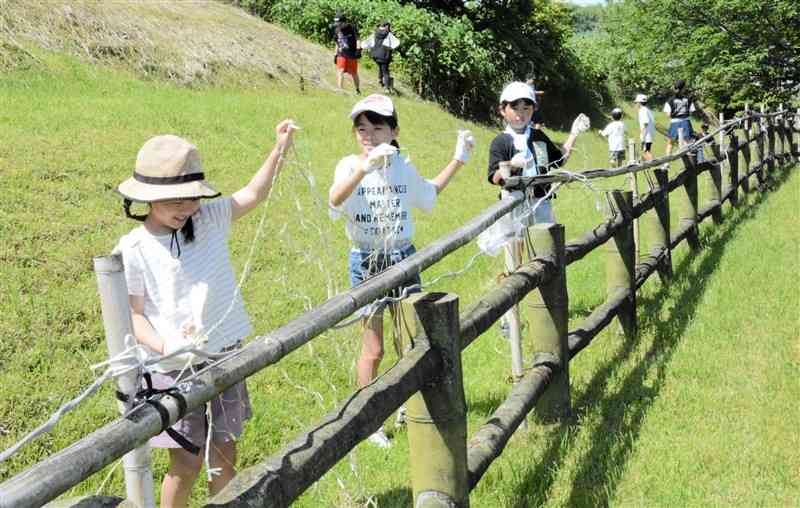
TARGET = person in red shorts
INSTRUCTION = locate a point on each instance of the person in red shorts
(347, 52)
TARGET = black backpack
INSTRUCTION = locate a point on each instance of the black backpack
(381, 53)
(347, 41)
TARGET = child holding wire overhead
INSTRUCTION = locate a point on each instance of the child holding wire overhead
(377, 191)
(184, 297)
(521, 150)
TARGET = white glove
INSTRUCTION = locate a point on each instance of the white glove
(175, 344)
(580, 124)
(377, 158)
(464, 145)
(520, 161)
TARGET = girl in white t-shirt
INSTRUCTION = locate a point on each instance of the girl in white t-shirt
(183, 293)
(377, 190)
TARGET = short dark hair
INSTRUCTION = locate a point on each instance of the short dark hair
(679, 85)
(526, 101)
(616, 114)
(378, 119)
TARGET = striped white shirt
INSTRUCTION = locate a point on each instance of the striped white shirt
(196, 289)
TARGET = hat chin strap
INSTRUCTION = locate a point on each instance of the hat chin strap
(188, 236)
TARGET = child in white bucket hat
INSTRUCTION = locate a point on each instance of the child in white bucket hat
(183, 294)
(377, 190)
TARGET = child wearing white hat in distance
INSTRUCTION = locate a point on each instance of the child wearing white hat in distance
(647, 126)
(183, 293)
(377, 189)
(615, 132)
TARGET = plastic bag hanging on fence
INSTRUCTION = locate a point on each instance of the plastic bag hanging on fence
(512, 226)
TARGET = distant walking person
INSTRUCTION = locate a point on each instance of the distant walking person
(381, 45)
(647, 126)
(615, 132)
(347, 51)
(679, 107)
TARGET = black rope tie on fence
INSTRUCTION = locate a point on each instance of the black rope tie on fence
(152, 397)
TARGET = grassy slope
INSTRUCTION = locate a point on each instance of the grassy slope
(70, 133)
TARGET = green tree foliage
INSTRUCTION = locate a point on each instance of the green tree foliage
(586, 18)
(457, 53)
(731, 52)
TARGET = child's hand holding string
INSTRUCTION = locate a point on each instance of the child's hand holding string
(378, 157)
(283, 134)
(178, 348)
(520, 161)
(580, 125)
(464, 146)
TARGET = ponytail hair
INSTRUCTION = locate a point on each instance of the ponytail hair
(126, 205)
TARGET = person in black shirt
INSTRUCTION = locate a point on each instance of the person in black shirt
(679, 107)
(381, 44)
(347, 51)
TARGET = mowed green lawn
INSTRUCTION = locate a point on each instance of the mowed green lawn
(700, 409)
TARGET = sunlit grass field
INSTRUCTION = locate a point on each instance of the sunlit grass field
(700, 409)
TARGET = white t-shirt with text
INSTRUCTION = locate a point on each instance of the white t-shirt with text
(379, 211)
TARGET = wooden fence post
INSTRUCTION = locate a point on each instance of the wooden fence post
(548, 311)
(513, 254)
(620, 265)
(795, 134)
(770, 148)
(688, 209)
(780, 124)
(760, 137)
(715, 178)
(658, 224)
(733, 167)
(745, 148)
(117, 323)
(635, 189)
(436, 415)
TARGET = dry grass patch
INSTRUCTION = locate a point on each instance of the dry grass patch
(188, 42)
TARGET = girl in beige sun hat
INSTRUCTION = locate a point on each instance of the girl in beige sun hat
(183, 294)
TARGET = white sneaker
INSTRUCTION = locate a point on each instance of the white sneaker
(400, 420)
(380, 439)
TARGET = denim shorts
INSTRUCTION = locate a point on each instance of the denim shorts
(684, 124)
(364, 264)
(229, 410)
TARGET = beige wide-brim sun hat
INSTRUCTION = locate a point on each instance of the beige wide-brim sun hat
(167, 167)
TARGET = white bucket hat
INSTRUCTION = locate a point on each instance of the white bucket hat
(167, 167)
(517, 90)
(376, 103)
(640, 98)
